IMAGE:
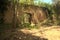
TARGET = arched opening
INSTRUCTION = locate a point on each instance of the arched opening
(27, 18)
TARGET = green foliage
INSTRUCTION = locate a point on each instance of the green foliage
(56, 6)
(28, 2)
(28, 25)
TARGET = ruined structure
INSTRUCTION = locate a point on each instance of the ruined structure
(29, 13)
(36, 14)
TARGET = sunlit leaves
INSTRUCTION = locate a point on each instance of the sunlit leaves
(26, 2)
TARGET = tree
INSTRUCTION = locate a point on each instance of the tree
(56, 6)
(55, 1)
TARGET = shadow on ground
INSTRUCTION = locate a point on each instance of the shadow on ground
(10, 34)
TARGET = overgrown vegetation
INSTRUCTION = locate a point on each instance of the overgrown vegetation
(53, 18)
(53, 11)
(29, 14)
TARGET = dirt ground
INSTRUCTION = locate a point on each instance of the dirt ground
(43, 33)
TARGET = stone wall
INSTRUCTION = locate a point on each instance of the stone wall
(38, 13)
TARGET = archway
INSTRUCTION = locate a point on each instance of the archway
(27, 18)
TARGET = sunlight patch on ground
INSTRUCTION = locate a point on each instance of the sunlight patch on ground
(51, 33)
(29, 31)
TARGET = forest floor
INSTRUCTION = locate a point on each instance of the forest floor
(43, 33)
